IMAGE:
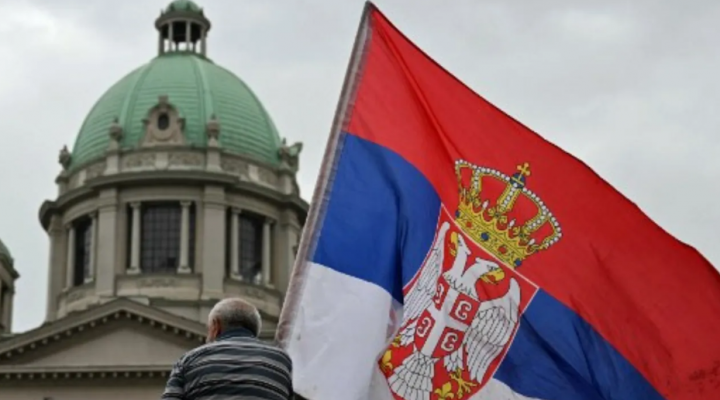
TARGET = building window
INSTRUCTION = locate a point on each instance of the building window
(83, 245)
(163, 121)
(250, 247)
(160, 237)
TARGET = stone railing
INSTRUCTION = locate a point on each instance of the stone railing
(159, 160)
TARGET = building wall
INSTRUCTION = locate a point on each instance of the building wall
(115, 389)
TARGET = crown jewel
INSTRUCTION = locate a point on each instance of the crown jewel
(512, 225)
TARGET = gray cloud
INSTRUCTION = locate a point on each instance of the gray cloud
(628, 87)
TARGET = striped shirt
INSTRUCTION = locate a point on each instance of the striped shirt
(236, 366)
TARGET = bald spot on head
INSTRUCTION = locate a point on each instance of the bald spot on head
(234, 313)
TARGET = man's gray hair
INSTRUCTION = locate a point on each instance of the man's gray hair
(236, 313)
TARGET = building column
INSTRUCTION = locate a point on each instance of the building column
(184, 267)
(235, 243)
(170, 37)
(203, 43)
(266, 251)
(214, 209)
(135, 240)
(109, 238)
(56, 260)
(70, 263)
(7, 308)
(90, 273)
(187, 36)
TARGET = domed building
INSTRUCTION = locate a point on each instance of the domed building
(178, 192)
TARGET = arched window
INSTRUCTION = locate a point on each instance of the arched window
(163, 121)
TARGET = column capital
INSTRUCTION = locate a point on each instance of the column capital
(69, 226)
(186, 203)
(236, 210)
(93, 214)
(269, 220)
(135, 204)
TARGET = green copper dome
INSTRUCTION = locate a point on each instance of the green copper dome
(198, 89)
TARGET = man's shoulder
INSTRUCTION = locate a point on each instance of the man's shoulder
(238, 346)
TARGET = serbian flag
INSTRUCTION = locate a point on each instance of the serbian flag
(453, 253)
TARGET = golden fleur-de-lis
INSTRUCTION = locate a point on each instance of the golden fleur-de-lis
(396, 341)
(385, 361)
(445, 391)
(463, 385)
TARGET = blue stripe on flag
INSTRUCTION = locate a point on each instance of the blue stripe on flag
(557, 355)
(381, 217)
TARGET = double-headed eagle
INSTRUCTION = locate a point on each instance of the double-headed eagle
(479, 342)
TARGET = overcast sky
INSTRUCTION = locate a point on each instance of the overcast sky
(629, 87)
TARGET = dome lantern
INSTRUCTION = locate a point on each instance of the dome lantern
(182, 27)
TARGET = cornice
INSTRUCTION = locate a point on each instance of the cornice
(55, 332)
(164, 178)
(23, 373)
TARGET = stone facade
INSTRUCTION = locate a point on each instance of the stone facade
(110, 192)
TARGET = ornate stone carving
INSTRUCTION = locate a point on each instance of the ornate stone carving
(186, 159)
(163, 125)
(116, 134)
(290, 155)
(65, 158)
(267, 176)
(212, 129)
(142, 160)
(156, 282)
(95, 170)
(235, 167)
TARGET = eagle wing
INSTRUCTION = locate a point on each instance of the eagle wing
(490, 331)
(420, 296)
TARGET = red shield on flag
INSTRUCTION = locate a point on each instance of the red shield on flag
(439, 332)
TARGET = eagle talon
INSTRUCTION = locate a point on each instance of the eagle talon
(463, 385)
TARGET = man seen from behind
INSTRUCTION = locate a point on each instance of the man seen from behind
(234, 363)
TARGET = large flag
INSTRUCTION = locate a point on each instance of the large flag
(453, 253)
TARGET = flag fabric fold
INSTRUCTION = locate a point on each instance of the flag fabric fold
(452, 253)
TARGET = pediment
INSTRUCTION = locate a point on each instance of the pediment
(118, 336)
(116, 344)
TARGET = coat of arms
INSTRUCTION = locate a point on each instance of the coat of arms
(464, 305)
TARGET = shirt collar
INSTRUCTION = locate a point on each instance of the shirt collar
(234, 333)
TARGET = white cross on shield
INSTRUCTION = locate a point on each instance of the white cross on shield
(441, 327)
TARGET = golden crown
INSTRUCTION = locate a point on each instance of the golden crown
(514, 225)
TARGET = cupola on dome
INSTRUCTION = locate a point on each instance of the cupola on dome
(183, 5)
(197, 91)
